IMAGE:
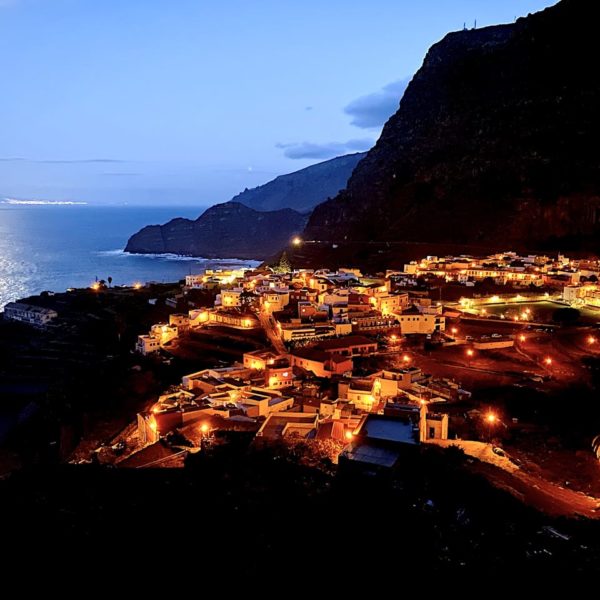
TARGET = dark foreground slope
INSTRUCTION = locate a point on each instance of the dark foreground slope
(229, 230)
(495, 144)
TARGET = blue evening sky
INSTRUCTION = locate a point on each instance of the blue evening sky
(190, 101)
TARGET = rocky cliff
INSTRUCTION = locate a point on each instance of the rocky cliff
(495, 143)
(256, 223)
(304, 189)
(229, 230)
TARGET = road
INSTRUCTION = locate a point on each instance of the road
(531, 489)
(269, 325)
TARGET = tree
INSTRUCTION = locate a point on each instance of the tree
(109, 281)
(284, 264)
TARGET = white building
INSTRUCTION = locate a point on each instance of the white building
(147, 344)
(30, 314)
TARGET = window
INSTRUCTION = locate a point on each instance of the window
(431, 433)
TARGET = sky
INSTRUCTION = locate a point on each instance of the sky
(190, 101)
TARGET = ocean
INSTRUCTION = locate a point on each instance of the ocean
(60, 246)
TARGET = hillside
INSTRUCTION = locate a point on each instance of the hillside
(494, 144)
(228, 230)
(256, 223)
(304, 189)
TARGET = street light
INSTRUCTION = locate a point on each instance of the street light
(548, 361)
(470, 354)
(296, 241)
(406, 359)
(591, 340)
(522, 338)
(491, 421)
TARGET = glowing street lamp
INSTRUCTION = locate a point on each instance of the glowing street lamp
(348, 435)
(548, 361)
(406, 359)
(470, 354)
(522, 338)
(393, 337)
(297, 241)
(490, 419)
(95, 286)
(591, 340)
(454, 331)
(137, 286)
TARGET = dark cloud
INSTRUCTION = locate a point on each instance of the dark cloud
(327, 150)
(373, 110)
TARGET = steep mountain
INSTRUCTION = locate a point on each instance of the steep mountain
(228, 230)
(495, 143)
(304, 189)
(255, 223)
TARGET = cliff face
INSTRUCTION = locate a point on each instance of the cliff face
(304, 189)
(256, 223)
(229, 230)
(495, 143)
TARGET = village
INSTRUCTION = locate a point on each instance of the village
(366, 366)
(479, 353)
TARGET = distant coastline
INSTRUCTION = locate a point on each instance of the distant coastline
(17, 202)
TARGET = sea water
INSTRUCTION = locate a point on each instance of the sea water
(54, 247)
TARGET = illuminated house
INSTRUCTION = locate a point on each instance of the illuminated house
(281, 425)
(230, 298)
(412, 321)
(147, 344)
(261, 359)
(163, 332)
(321, 363)
(302, 332)
(233, 318)
(353, 345)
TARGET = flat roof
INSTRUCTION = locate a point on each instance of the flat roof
(389, 429)
(351, 340)
(374, 455)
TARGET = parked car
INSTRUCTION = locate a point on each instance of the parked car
(496, 335)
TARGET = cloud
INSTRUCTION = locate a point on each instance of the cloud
(326, 150)
(64, 162)
(120, 174)
(373, 110)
